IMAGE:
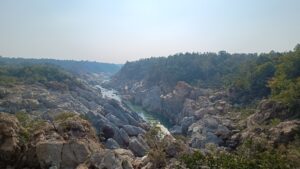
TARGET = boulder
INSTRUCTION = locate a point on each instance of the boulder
(10, 144)
(69, 144)
(125, 154)
(284, 132)
(182, 89)
(176, 130)
(267, 110)
(211, 123)
(185, 123)
(133, 130)
(108, 160)
(49, 153)
(137, 147)
(188, 108)
(3, 92)
(115, 120)
(74, 153)
(149, 99)
(124, 136)
(75, 128)
(208, 130)
(111, 144)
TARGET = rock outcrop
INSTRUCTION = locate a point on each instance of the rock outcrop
(63, 144)
(272, 122)
(108, 116)
(10, 143)
(199, 114)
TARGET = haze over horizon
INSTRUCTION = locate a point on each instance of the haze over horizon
(119, 31)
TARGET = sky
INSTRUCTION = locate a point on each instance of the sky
(117, 31)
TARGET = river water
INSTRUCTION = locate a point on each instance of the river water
(153, 119)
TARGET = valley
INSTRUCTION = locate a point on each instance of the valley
(152, 113)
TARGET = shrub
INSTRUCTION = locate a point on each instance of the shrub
(158, 158)
(275, 121)
(63, 116)
(248, 156)
(23, 118)
(29, 125)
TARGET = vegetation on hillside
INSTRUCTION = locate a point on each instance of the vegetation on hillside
(248, 77)
(285, 85)
(248, 156)
(203, 70)
(49, 75)
(69, 65)
(55, 74)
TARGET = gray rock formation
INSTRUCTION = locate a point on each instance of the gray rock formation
(10, 144)
(64, 144)
(133, 130)
(137, 147)
(111, 144)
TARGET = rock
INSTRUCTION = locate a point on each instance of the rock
(30, 104)
(3, 92)
(108, 160)
(108, 131)
(212, 138)
(124, 136)
(185, 123)
(127, 165)
(76, 127)
(149, 99)
(111, 144)
(182, 89)
(137, 147)
(10, 144)
(211, 123)
(49, 153)
(223, 132)
(209, 129)
(82, 166)
(199, 114)
(133, 130)
(125, 154)
(284, 132)
(113, 119)
(200, 140)
(115, 109)
(220, 108)
(176, 130)
(173, 148)
(74, 153)
(267, 110)
(188, 108)
(76, 143)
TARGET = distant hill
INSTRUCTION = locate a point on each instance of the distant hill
(70, 65)
(199, 69)
(247, 76)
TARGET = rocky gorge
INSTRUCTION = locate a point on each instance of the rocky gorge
(53, 118)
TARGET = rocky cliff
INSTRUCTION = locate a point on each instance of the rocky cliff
(67, 143)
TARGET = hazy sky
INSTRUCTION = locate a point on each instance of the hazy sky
(120, 30)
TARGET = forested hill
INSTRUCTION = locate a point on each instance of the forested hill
(247, 76)
(70, 65)
(206, 70)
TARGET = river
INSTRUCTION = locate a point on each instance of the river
(153, 119)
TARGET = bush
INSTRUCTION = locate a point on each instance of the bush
(275, 122)
(248, 156)
(63, 116)
(29, 125)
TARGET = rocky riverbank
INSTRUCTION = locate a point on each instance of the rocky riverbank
(206, 116)
(119, 127)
